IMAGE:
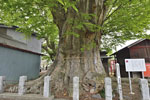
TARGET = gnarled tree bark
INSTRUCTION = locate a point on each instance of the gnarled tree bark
(70, 59)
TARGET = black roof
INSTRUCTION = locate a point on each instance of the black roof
(136, 42)
(13, 27)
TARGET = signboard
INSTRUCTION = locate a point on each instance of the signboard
(147, 73)
(135, 65)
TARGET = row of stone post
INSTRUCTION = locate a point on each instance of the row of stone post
(21, 86)
(108, 87)
(143, 85)
(46, 90)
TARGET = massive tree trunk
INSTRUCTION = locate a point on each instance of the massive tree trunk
(72, 62)
(78, 56)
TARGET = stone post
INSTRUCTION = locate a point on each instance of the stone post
(76, 88)
(144, 89)
(108, 89)
(2, 79)
(46, 91)
(21, 88)
(119, 81)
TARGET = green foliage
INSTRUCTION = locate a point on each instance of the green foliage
(88, 46)
(72, 33)
(32, 16)
(67, 3)
(102, 93)
(125, 20)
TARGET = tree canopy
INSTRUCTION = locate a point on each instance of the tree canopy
(82, 28)
(125, 19)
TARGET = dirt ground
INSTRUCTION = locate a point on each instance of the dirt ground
(126, 91)
(136, 91)
(125, 87)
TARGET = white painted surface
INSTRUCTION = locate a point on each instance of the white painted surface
(135, 65)
(130, 83)
(108, 89)
(76, 88)
(119, 81)
(21, 87)
(46, 91)
(144, 89)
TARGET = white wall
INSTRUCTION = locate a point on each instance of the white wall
(17, 39)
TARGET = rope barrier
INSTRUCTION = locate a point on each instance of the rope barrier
(81, 57)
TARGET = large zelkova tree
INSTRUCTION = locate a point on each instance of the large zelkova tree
(82, 28)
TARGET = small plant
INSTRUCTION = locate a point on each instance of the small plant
(102, 93)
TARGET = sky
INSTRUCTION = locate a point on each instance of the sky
(126, 44)
(129, 42)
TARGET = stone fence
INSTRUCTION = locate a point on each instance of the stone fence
(108, 87)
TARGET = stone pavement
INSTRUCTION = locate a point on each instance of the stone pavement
(15, 96)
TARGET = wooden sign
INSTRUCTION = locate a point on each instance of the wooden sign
(135, 65)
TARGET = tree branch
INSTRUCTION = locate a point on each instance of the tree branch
(50, 45)
(112, 7)
(59, 15)
(50, 54)
(112, 13)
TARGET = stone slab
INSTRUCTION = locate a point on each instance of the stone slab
(75, 88)
(46, 91)
(108, 89)
(2, 79)
(144, 89)
(21, 89)
(119, 81)
(15, 96)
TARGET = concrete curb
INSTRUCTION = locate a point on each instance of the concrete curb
(15, 96)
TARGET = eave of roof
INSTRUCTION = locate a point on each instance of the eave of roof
(19, 49)
(11, 27)
(136, 42)
(105, 57)
(14, 27)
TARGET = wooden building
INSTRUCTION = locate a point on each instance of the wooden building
(18, 55)
(138, 49)
(104, 59)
